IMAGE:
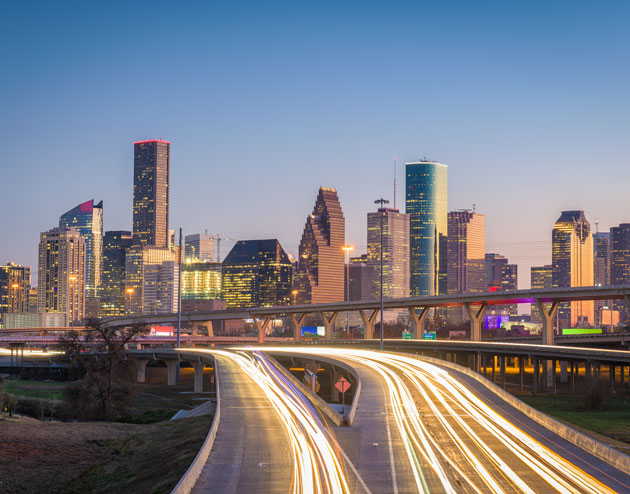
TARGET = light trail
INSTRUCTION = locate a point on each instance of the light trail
(464, 445)
(317, 466)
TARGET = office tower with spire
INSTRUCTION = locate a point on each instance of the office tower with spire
(320, 276)
(61, 274)
(87, 219)
(572, 265)
(426, 204)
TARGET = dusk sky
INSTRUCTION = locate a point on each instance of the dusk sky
(263, 102)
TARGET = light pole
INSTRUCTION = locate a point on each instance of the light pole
(14, 304)
(294, 293)
(382, 203)
(346, 249)
(130, 293)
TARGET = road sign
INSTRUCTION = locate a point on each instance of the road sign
(429, 335)
(406, 335)
(342, 385)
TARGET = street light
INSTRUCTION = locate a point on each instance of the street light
(382, 203)
(294, 293)
(130, 293)
(15, 287)
(346, 249)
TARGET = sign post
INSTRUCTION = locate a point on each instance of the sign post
(343, 385)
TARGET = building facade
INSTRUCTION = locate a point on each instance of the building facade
(500, 275)
(61, 275)
(572, 264)
(160, 291)
(257, 273)
(151, 184)
(113, 281)
(139, 260)
(361, 282)
(395, 252)
(199, 247)
(321, 258)
(620, 263)
(466, 256)
(87, 219)
(426, 204)
(201, 280)
(15, 285)
(541, 278)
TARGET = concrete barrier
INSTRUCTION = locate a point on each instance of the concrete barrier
(188, 480)
(610, 455)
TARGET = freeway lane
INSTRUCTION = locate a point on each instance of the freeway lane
(459, 437)
(251, 452)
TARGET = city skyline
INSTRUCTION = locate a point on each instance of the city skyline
(519, 121)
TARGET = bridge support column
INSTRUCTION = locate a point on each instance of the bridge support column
(141, 365)
(573, 370)
(521, 371)
(536, 376)
(198, 379)
(417, 320)
(368, 321)
(172, 366)
(297, 325)
(547, 315)
(197, 325)
(329, 323)
(611, 376)
(262, 327)
(563, 372)
(553, 377)
(502, 368)
(476, 316)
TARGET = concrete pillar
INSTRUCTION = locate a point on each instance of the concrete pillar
(141, 364)
(611, 376)
(417, 320)
(476, 317)
(536, 375)
(494, 365)
(521, 371)
(198, 380)
(298, 320)
(329, 323)
(196, 325)
(563, 372)
(262, 327)
(502, 369)
(547, 316)
(573, 370)
(553, 379)
(368, 322)
(588, 367)
(172, 366)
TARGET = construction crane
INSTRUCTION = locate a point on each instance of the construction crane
(218, 239)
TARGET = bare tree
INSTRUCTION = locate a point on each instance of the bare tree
(108, 388)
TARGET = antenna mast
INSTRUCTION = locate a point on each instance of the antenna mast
(394, 182)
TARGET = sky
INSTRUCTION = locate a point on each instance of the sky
(264, 102)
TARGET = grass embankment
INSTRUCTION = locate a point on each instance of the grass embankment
(612, 420)
(97, 457)
(43, 390)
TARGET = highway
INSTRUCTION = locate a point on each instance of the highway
(422, 428)
(270, 438)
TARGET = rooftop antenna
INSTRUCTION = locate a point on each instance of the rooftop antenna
(596, 225)
(474, 207)
(394, 182)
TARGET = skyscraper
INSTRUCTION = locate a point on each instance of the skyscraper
(201, 280)
(160, 291)
(113, 298)
(572, 264)
(361, 282)
(620, 263)
(541, 278)
(426, 203)
(15, 285)
(151, 180)
(321, 260)
(61, 274)
(257, 273)
(500, 275)
(87, 219)
(395, 252)
(140, 260)
(199, 247)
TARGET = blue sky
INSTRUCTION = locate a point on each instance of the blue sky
(263, 102)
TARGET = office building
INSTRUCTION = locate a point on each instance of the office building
(572, 264)
(112, 293)
(541, 278)
(138, 262)
(395, 252)
(426, 204)
(466, 256)
(500, 275)
(61, 274)
(87, 219)
(361, 282)
(257, 273)
(201, 280)
(160, 291)
(15, 284)
(321, 259)
(151, 180)
(620, 263)
(199, 247)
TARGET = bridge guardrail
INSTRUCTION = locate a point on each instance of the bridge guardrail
(189, 479)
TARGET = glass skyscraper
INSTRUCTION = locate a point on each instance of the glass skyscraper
(151, 169)
(257, 273)
(426, 203)
(87, 219)
(115, 246)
